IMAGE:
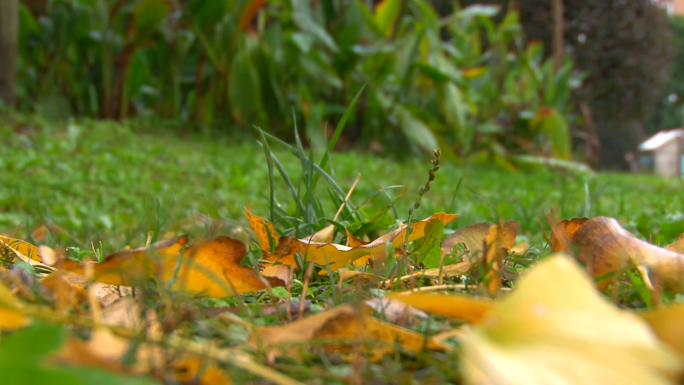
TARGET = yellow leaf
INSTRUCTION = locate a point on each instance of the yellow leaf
(465, 307)
(24, 248)
(263, 229)
(337, 256)
(678, 245)
(11, 317)
(197, 371)
(519, 249)
(324, 235)
(555, 328)
(667, 324)
(206, 268)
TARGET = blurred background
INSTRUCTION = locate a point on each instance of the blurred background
(499, 80)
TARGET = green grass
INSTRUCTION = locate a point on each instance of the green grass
(113, 183)
(93, 182)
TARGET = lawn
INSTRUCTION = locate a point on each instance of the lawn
(106, 186)
(108, 182)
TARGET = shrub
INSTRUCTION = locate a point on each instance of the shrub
(242, 63)
(624, 48)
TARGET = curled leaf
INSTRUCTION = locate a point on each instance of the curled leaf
(606, 248)
(338, 256)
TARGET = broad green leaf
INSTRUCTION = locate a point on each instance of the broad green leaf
(429, 249)
(148, 14)
(301, 14)
(209, 12)
(555, 126)
(244, 91)
(454, 109)
(414, 129)
(386, 15)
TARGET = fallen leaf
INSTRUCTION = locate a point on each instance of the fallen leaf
(519, 249)
(263, 230)
(324, 235)
(11, 317)
(464, 307)
(667, 323)
(473, 236)
(25, 249)
(555, 328)
(48, 255)
(454, 270)
(677, 246)
(352, 242)
(207, 268)
(344, 326)
(563, 231)
(65, 294)
(337, 256)
(429, 252)
(347, 274)
(193, 370)
(606, 248)
(395, 312)
(498, 240)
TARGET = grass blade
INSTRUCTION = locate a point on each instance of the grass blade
(338, 131)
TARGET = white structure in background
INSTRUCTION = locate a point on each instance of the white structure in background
(662, 153)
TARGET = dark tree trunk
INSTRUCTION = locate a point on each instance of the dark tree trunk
(9, 37)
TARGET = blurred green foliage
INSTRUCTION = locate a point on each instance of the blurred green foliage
(669, 113)
(238, 63)
(624, 48)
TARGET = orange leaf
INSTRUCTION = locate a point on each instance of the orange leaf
(263, 229)
(206, 268)
(10, 316)
(22, 247)
(461, 306)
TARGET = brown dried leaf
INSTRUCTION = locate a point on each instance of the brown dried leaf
(345, 326)
(606, 248)
(473, 236)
